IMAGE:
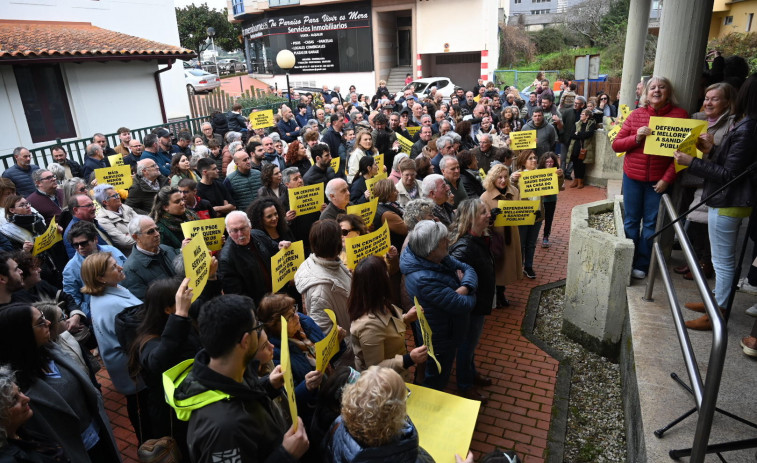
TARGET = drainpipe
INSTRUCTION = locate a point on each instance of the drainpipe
(160, 90)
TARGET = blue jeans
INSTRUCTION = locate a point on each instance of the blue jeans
(529, 234)
(435, 379)
(724, 232)
(466, 368)
(565, 164)
(641, 204)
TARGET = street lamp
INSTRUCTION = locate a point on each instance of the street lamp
(211, 33)
(285, 59)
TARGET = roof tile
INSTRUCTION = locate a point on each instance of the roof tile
(51, 39)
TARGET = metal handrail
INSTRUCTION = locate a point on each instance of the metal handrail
(705, 393)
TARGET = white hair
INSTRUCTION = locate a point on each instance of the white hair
(233, 214)
(425, 237)
(429, 184)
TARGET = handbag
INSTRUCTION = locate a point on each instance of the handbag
(163, 450)
(582, 152)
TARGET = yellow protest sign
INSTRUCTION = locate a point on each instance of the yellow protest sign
(196, 264)
(613, 133)
(286, 370)
(326, 348)
(434, 414)
(116, 160)
(689, 146)
(366, 210)
(46, 240)
(117, 177)
(372, 181)
(406, 146)
(306, 199)
(210, 229)
(375, 243)
(539, 182)
(668, 133)
(378, 159)
(516, 213)
(523, 140)
(412, 130)
(426, 332)
(482, 173)
(261, 119)
(624, 111)
(285, 263)
(335, 163)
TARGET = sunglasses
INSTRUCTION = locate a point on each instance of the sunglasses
(151, 231)
(346, 232)
(79, 244)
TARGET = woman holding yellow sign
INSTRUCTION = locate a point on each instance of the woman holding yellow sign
(728, 208)
(508, 260)
(645, 176)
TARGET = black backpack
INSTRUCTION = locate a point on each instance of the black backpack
(127, 322)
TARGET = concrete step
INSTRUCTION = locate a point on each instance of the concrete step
(657, 354)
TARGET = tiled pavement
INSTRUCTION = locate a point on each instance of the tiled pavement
(520, 400)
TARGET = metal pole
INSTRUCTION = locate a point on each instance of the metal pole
(289, 92)
(215, 56)
(586, 80)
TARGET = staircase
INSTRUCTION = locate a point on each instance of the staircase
(396, 80)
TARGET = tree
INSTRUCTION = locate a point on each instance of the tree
(586, 18)
(193, 22)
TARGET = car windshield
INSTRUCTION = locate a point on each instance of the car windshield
(416, 86)
(197, 72)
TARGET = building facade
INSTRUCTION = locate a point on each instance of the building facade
(729, 16)
(338, 42)
(72, 68)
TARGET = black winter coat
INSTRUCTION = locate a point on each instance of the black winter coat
(734, 155)
(474, 251)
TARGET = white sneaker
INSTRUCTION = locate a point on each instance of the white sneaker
(752, 311)
(638, 274)
(745, 287)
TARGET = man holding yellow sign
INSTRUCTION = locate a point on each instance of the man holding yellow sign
(228, 406)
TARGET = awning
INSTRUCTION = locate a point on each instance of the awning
(26, 42)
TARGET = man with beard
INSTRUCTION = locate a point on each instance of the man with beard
(124, 134)
(11, 278)
(72, 168)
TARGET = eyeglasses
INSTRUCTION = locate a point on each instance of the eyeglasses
(257, 328)
(151, 231)
(79, 244)
(42, 322)
(86, 206)
(114, 196)
(43, 179)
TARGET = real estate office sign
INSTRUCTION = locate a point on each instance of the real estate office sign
(332, 38)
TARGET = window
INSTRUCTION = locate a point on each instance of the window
(540, 1)
(749, 22)
(43, 95)
(272, 3)
(237, 7)
(727, 20)
(540, 11)
(517, 1)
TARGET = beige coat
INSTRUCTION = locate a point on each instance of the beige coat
(379, 340)
(509, 268)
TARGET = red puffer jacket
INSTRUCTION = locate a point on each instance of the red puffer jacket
(640, 166)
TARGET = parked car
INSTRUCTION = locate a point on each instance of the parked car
(422, 87)
(209, 66)
(231, 65)
(200, 81)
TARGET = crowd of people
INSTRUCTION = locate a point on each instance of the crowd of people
(208, 372)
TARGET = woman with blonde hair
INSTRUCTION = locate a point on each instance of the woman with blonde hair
(374, 425)
(363, 147)
(505, 240)
(101, 275)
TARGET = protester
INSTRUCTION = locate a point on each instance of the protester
(169, 211)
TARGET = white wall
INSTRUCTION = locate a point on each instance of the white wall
(149, 19)
(102, 98)
(477, 31)
(364, 82)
